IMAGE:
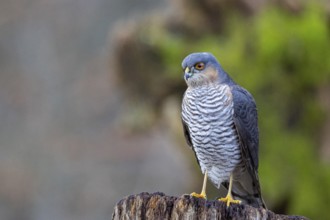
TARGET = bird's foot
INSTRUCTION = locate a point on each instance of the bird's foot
(229, 199)
(202, 195)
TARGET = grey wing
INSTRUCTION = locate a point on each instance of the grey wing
(246, 123)
(188, 138)
(246, 187)
(186, 134)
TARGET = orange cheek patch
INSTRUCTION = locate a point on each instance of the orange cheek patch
(211, 74)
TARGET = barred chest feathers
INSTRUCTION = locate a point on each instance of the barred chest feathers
(208, 112)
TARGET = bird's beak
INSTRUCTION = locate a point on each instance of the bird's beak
(187, 73)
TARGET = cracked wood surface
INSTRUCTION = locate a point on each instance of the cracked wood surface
(160, 206)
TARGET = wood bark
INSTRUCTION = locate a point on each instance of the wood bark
(160, 206)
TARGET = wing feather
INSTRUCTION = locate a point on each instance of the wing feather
(188, 139)
(186, 134)
(246, 123)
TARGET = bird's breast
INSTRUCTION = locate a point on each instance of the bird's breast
(208, 113)
(208, 105)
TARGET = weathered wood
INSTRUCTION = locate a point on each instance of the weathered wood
(160, 206)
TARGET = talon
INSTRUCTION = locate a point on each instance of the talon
(202, 195)
(228, 199)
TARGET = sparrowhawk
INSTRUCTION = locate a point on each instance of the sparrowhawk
(220, 124)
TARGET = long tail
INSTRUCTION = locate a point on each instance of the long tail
(254, 200)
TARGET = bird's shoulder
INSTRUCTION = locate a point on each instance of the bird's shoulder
(241, 95)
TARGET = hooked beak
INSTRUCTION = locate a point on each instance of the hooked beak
(187, 73)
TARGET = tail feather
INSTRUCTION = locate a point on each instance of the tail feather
(255, 200)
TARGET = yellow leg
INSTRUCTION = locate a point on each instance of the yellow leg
(229, 198)
(203, 193)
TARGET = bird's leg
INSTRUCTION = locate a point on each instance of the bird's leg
(203, 193)
(229, 198)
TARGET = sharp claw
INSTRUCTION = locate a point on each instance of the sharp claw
(228, 200)
(202, 195)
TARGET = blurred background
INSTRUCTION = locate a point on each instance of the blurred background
(90, 95)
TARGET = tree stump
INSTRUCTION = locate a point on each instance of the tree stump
(160, 206)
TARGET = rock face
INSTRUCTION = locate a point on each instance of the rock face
(160, 206)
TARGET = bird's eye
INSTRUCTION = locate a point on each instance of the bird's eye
(199, 66)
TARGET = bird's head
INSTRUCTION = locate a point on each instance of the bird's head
(201, 69)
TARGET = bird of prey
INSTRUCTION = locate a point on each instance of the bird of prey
(220, 124)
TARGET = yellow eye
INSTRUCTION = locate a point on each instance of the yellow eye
(199, 66)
